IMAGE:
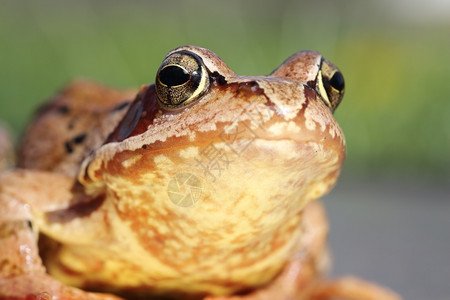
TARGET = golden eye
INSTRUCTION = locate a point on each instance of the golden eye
(181, 79)
(330, 84)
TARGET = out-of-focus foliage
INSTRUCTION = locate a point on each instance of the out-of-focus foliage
(394, 56)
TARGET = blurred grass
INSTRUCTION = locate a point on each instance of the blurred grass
(396, 112)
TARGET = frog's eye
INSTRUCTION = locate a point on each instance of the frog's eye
(181, 79)
(330, 84)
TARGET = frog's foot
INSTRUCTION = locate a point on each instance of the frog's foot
(22, 275)
(352, 288)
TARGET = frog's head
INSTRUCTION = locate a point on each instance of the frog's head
(206, 163)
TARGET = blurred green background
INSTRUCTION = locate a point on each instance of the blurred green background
(395, 57)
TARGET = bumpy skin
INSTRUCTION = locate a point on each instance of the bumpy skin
(100, 175)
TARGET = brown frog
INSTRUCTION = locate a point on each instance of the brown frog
(203, 186)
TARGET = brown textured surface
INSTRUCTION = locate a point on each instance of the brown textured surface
(119, 231)
(76, 111)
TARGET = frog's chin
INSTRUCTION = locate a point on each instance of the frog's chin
(202, 205)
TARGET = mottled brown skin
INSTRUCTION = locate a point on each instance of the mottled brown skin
(81, 107)
(92, 179)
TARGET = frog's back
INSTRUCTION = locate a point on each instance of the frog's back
(66, 129)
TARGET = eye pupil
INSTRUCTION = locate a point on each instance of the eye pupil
(337, 81)
(181, 79)
(173, 76)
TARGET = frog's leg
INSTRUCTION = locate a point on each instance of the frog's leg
(25, 196)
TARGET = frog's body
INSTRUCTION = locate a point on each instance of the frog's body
(199, 186)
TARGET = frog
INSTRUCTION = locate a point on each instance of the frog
(203, 185)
